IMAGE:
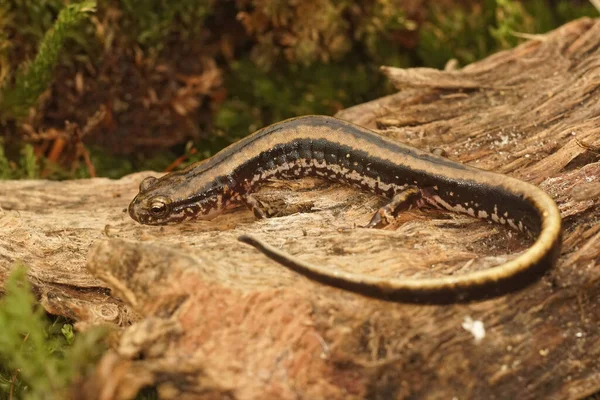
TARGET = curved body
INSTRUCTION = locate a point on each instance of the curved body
(343, 152)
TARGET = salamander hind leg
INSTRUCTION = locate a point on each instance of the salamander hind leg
(402, 201)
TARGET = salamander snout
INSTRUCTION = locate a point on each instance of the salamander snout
(150, 211)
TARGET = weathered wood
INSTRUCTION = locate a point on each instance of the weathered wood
(212, 318)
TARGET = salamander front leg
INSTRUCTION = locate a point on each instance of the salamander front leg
(404, 200)
(258, 208)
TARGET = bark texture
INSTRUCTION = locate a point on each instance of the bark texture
(204, 316)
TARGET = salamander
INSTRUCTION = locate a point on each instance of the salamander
(340, 151)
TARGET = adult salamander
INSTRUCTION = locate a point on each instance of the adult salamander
(339, 151)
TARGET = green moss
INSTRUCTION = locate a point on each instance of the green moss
(31, 80)
(116, 166)
(27, 167)
(259, 97)
(543, 17)
(155, 20)
(510, 17)
(548, 17)
(470, 34)
(5, 170)
(26, 21)
(375, 33)
(566, 11)
(457, 33)
(38, 357)
(29, 163)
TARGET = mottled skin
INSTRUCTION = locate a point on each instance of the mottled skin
(342, 152)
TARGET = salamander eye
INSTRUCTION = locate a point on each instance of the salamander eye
(159, 206)
(146, 183)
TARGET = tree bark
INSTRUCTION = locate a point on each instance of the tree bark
(205, 316)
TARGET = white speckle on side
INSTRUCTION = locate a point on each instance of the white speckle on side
(305, 163)
(439, 201)
(354, 176)
(520, 226)
(495, 217)
(370, 182)
(506, 214)
(459, 208)
(511, 223)
(475, 327)
(347, 155)
(471, 212)
(502, 220)
(482, 214)
(451, 193)
(179, 214)
(436, 187)
(383, 186)
(316, 163)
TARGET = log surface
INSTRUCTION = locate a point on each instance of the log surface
(205, 316)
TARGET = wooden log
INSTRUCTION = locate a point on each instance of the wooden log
(205, 316)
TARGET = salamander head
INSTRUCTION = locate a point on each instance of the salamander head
(168, 200)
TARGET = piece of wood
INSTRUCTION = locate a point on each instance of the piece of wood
(213, 318)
